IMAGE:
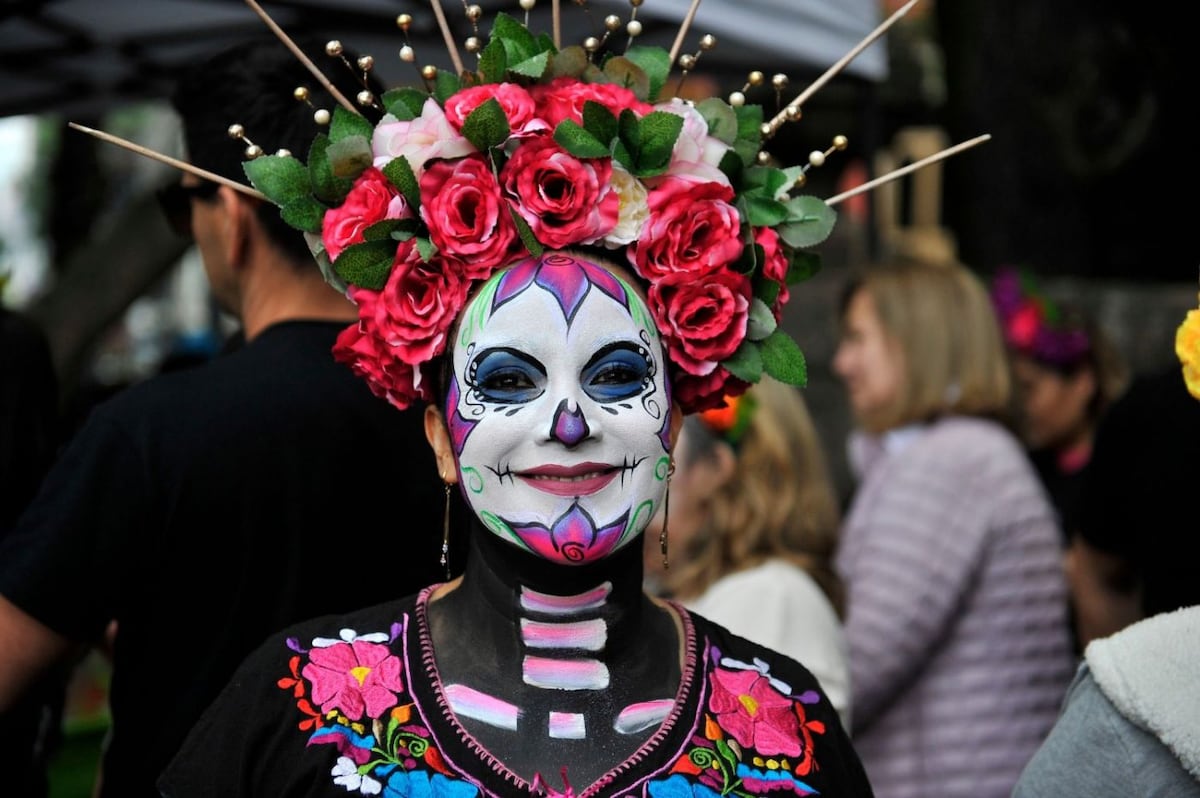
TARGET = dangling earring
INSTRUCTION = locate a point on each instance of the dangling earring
(662, 535)
(446, 530)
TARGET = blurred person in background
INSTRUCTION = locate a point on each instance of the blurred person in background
(199, 510)
(30, 427)
(752, 527)
(1067, 373)
(956, 618)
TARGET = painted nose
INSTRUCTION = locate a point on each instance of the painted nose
(569, 426)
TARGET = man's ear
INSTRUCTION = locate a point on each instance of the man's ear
(242, 222)
(439, 440)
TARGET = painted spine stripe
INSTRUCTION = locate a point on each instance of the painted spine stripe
(565, 674)
(590, 635)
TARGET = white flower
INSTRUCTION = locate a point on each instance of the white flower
(349, 636)
(631, 213)
(345, 773)
(696, 153)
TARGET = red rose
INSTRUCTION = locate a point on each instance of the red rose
(564, 199)
(563, 98)
(702, 321)
(416, 308)
(699, 393)
(692, 228)
(517, 104)
(467, 217)
(370, 358)
(774, 265)
(372, 199)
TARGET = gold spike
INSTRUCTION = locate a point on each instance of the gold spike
(451, 47)
(912, 167)
(683, 29)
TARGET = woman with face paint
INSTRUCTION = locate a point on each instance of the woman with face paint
(559, 268)
(545, 669)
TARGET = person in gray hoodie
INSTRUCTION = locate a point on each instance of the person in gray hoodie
(1130, 724)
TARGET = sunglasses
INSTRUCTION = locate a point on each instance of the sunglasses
(175, 200)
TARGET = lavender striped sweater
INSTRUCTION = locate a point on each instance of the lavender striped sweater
(957, 612)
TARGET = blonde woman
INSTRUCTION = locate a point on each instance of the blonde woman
(956, 618)
(752, 529)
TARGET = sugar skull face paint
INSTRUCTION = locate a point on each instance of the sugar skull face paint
(558, 409)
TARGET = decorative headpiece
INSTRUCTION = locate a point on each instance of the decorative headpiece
(543, 147)
(1034, 325)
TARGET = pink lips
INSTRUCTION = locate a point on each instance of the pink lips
(578, 480)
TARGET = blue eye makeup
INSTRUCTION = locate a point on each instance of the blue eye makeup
(506, 376)
(618, 371)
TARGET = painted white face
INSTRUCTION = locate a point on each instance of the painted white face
(558, 409)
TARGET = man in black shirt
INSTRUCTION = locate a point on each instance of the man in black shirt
(205, 508)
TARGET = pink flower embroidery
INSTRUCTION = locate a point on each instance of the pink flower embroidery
(353, 678)
(756, 714)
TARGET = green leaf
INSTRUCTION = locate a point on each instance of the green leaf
(282, 178)
(803, 266)
(366, 265)
(569, 62)
(426, 249)
(526, 232)
(655, 63)
(722, 121)
(533, 67)
(445, 86)
(783, 360)
(493, 62)
(577, 141)
(763, 212)
(600, 122)
(383, 229)
(660, 131)
(326, 186)
(623, 71)
(347, 123)
(349, 156)
(304, 213)
(486, 126)
(404, 103)
(749, 135)
(810, 221)
(516, 38)
(767, 291)
(761, 322)
(746, 363)
(400, 174)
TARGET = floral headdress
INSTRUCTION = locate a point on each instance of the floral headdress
(545, 148)
(1034, 325)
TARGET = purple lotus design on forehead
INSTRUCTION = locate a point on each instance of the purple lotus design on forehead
(574, 537)
(566, 278)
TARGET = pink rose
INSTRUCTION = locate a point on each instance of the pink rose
(467, 217)
(372, 199)
(754, 713)
(419, 140)
(774, 265)
(564, 199)
(517, 104)
(692, 228)
(696, 154)
(371, 359)
(702, 321)
(563, 98)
